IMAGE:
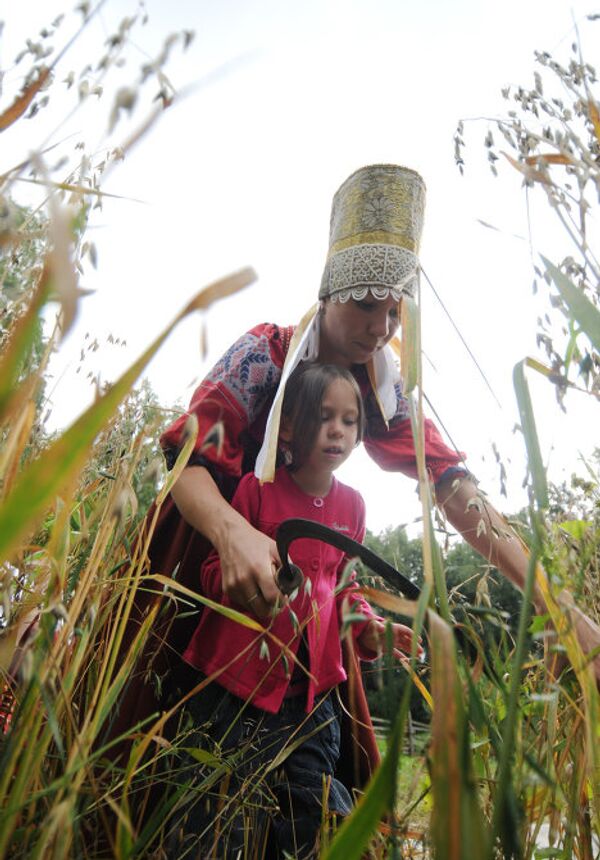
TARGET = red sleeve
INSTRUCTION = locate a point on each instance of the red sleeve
(394, 449)
(392, 446)
(211, 582)
(246, 501)
(232, 396)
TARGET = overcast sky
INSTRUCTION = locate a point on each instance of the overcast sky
(242, 172)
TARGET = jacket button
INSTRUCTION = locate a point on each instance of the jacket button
(315, 564)
(318, 502)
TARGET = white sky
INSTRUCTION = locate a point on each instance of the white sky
(243, 171)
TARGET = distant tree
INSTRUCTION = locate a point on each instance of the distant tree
(468, 578)
(395, 547)
(23, 243)
(573, 554)
(579, 498)
(480, 599)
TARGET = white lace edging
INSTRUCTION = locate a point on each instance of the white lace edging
(382, 269)
(359, 293)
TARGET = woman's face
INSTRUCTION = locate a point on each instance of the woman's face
(353, 331)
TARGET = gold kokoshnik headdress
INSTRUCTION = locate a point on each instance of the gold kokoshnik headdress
(374, 236)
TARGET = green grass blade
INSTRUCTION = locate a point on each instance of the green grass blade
(410, 355)
(506, 812)
(584, 312)
(65, 457)
(457, 823)
(378, 799)
(534, 455)
(432, 560)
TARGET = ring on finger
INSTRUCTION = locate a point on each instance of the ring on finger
(254, 597)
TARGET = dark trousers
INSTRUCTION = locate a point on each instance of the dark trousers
(257, 781)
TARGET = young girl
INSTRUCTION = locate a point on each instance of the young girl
(272, 712)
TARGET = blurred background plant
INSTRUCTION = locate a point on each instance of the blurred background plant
(551, 136)
(72, 499)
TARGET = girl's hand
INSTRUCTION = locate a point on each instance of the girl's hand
(373, 637)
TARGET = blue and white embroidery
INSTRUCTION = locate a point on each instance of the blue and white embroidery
(247, 372)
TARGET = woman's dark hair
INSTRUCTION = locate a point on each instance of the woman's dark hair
(301, 407)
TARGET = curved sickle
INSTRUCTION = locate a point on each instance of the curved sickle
(289, 576)
(292, 529)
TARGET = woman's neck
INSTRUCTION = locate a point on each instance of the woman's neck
(327, 355)
(312, 483)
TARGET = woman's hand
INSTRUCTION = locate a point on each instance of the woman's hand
(373, 638)
(248, 557)
(249, 562)
(466, 508)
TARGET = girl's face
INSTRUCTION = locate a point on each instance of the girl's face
(338, 432)
(352, 332)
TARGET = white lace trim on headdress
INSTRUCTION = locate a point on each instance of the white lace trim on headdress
(370, 267)
(359, 293)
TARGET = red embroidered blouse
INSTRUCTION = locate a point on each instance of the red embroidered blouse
(239, 390)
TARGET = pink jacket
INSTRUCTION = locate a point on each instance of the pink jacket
(251, 664)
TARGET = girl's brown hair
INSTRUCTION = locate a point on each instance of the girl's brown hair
(301, 408)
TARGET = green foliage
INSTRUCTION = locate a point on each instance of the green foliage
(70, 505)
(395, 547)
(552, 132)
(23, 245)
(139, 414)
(574, 552)
(472, 581)
(385, 683)
(475, 591)
(25, 242)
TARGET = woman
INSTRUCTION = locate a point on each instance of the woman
(376, 223)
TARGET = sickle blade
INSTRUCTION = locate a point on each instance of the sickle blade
(293, 529)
